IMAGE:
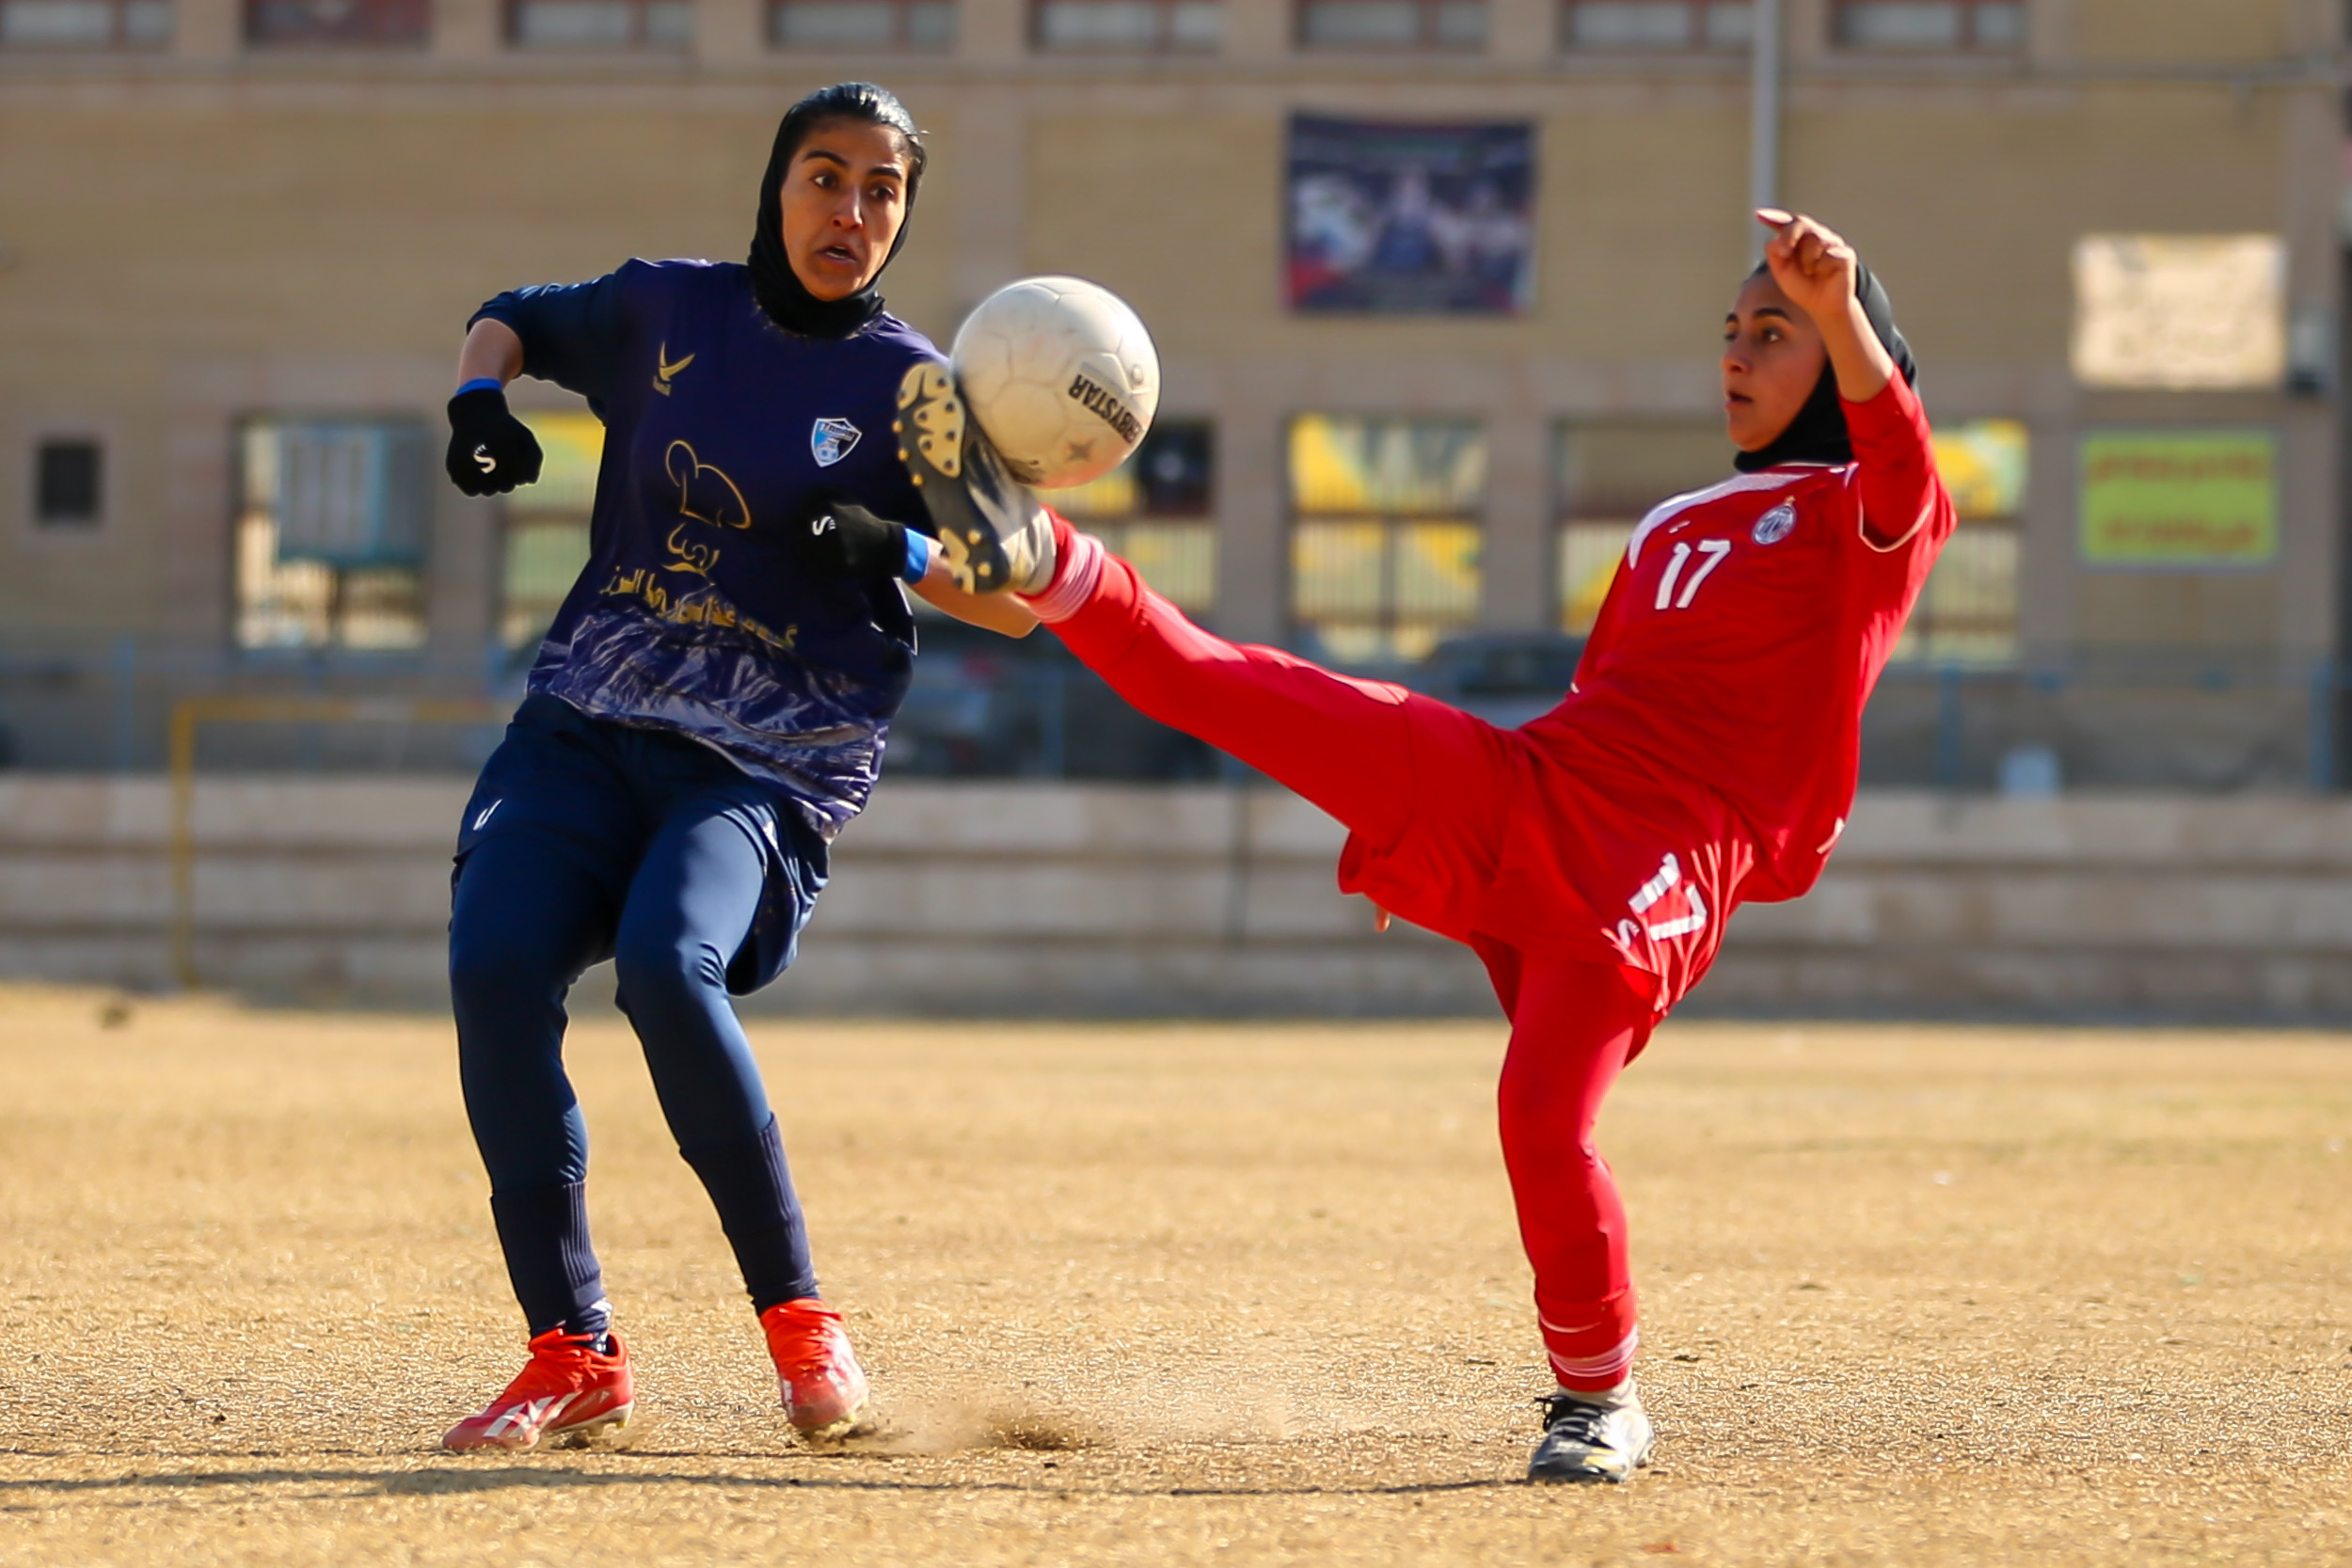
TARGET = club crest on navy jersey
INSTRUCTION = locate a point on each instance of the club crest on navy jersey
(830, 440)
(1776, 524)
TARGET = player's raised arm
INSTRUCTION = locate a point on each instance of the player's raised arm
(492, 352)
(1903, 498)
(490, 451)
(1821, 274)
(567, 333)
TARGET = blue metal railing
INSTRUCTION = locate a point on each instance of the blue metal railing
(2141, 718)
(2157, 719)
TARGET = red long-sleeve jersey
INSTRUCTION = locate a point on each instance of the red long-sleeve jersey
(1747, 629)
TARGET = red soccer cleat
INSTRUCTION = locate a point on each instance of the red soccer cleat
(567, 1390)
(823, 1388)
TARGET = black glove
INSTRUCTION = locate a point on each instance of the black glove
(490, 451)
(842, 539)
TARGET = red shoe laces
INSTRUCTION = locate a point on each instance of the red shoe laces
(806, 1347)
(555, 1366)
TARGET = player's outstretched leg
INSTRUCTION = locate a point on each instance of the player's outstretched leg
(1348, 745)
(993, 537)
(1366, 751)
(694, 898)
(1573, 1027)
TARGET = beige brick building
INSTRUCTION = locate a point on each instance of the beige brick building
(229, 217)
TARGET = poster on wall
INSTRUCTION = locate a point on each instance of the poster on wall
(1394, 219)
(2181, 313)
(2186, 499)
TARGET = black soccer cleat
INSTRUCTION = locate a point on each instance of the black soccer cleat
(993, 534)
(1586, 1441)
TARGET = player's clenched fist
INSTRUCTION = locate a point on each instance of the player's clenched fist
(1821, 275)
(842, 539)
(1813, 265)
(490, 451)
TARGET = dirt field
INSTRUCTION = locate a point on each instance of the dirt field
(1242, 1293)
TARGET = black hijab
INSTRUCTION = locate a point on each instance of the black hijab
(784, 299)
(1818, 434)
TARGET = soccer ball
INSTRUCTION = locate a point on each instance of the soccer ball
(1062, 377)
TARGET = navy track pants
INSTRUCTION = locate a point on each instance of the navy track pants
(586, 840)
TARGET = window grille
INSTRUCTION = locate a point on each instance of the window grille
(85, 23)
(600, 23)
(1609, 26)
(1967, 612)
(545, 542)
(1450, 24)
(919, 26)
(1605, 477)
(1155, 511)
(338, 23)
(1385, 539)
(330, 534)
(1142, 26)
(1990, 25)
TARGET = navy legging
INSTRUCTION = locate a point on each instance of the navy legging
(648, 849)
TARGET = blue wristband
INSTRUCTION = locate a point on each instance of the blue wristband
(918, 558)
(478, 383)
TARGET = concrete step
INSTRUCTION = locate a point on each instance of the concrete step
(1017, 897)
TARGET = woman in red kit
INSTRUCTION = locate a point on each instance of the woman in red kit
(1704, 757)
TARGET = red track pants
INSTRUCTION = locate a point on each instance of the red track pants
(1361, 752)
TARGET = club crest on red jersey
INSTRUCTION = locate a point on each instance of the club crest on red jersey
(1776, 524)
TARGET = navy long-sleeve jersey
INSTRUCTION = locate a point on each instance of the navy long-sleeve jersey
(693, 613)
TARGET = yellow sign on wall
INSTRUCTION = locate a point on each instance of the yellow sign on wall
(1983, 464)
(2182, 499)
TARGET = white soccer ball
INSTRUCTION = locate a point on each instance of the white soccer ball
(1062, 375)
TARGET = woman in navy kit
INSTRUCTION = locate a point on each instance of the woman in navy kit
(707, 712)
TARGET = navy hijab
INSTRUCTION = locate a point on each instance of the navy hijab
(784, 299)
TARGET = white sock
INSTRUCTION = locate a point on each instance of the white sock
(1062, 598)
(1614, 1397)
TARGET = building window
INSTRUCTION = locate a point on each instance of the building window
(927, 26)
(1385, 535)
(600, 23)
(1605, 477)
(330, 533)
(338, 23)
(69, 474)
(1151, 26)
(1156, 512)
(85, 23)
(1988, 24)
(1601, 25)
(1967, 613)
(1392, 24)
(546, 542)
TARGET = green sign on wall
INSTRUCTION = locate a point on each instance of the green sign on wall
(2181, 499)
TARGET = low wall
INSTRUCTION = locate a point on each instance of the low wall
(1100, 900)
